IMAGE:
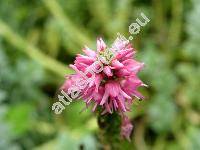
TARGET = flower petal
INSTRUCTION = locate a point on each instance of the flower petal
(107, 71)
(100, 45)
(89, 52)
(116, 64)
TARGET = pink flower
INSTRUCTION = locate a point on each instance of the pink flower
(114, 86)
(126, 128)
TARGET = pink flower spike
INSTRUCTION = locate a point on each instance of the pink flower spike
(110, 86)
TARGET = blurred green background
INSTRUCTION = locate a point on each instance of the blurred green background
(39, 38)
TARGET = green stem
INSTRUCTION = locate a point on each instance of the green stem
(104, 16)
(175, 29)
(110, 130)
(32, 51)
(75, 33)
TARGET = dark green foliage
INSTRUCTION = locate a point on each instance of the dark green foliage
(110, 130)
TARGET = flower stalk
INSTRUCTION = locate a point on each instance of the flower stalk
(109, 133)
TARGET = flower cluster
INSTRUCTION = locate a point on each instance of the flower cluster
(111, 75)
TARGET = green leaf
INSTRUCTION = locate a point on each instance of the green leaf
(162, 113)
(21, 117)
